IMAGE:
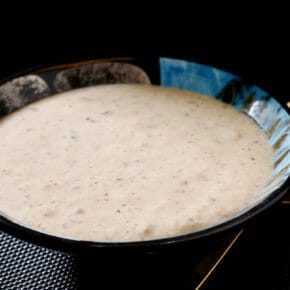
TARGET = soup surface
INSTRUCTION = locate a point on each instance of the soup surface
(129, 162)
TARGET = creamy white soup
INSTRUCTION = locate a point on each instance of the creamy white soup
(129, 162)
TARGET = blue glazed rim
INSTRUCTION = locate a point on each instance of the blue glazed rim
(78, 246)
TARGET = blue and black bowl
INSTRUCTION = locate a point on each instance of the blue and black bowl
(271, 116)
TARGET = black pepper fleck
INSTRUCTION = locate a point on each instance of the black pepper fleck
(107, 113)
(89, 119)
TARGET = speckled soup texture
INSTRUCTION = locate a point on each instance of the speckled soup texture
(129, 162)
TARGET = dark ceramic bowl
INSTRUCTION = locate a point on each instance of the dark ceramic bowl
(272, 117)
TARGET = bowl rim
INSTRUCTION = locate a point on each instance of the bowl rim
(74, 245)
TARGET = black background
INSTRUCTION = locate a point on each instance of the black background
(259, 54)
